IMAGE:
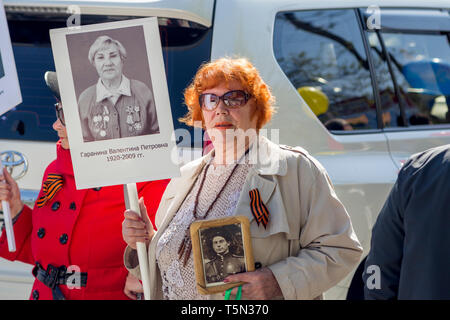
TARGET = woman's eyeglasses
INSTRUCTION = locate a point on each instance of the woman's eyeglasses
(231, 99)
(59, 112)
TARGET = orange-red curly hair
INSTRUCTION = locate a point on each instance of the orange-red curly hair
(226, 70)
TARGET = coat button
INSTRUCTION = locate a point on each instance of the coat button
(35, 295)
(41, 233)
(73, 206)
(63, 239)
(96, 189)
(56, 205)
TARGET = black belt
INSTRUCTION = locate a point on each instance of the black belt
(53, 276)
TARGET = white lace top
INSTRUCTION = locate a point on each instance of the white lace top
(179, 282)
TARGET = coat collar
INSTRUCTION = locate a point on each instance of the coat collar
(268, 158)
(103, 93)
(63, 160)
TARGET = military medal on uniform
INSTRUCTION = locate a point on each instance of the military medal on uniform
(133, 118)
(101, 121)
(105, 121)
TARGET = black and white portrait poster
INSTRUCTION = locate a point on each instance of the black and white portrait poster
(10, 95)
(115, 102)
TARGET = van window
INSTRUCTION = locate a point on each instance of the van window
(322, 53)
(421, 64)
(186, 45)
(418, 45)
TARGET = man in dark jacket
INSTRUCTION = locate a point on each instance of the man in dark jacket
(409, 256)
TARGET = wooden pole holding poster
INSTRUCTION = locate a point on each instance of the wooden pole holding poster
(8, 221)
(132, 203)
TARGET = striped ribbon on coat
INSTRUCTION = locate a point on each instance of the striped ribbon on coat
(259, 210)
(51, 186)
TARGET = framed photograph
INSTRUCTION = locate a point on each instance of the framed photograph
(116, 102)
(221, 247)
(10, 95)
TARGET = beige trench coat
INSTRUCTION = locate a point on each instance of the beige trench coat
(309, 243)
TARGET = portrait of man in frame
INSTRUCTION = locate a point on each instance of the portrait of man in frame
(221, 247)
(222, 251)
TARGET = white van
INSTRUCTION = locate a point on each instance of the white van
(360, 87)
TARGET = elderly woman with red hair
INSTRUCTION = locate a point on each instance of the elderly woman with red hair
(304, 245)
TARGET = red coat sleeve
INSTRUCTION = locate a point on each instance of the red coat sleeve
(152, 192)
(22, 234)
(23, 228)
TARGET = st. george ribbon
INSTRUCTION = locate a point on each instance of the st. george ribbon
(8, 221)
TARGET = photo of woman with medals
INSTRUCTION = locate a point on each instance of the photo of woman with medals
(302, 237)
(115, 107)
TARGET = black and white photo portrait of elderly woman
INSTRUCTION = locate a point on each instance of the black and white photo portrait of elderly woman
(115, 106)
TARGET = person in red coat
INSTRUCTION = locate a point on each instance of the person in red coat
(72, 237)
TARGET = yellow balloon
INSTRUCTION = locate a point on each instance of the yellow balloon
(315, 98)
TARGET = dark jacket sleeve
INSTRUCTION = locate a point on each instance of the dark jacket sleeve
(382, 269)
(23, 228)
